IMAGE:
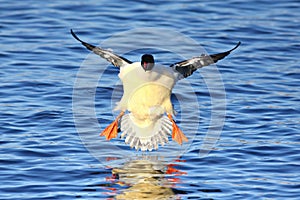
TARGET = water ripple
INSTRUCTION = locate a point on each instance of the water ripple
(42, 155)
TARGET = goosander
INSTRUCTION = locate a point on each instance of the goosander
(146, 112)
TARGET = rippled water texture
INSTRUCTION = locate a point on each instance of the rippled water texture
(44, 155)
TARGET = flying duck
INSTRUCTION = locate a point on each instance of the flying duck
(146, 112)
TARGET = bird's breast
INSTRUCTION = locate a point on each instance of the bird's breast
(149, 100)
(146, 94)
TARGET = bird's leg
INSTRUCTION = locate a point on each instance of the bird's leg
(177, 134)
(111, 131)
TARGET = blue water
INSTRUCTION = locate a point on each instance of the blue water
(45, 154)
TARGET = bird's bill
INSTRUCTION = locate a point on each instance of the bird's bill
(147, 66)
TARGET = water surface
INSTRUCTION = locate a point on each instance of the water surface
(43, 155)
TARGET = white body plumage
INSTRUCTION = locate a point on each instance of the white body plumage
(147, 97)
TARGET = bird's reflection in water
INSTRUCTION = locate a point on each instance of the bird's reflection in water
(146, 178)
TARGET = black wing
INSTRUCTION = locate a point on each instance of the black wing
(187, 67)
(106, 54)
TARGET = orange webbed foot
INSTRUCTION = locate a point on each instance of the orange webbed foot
(177, 134)
(111, 131)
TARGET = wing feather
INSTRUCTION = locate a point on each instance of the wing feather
(187, 67)
(114, 59)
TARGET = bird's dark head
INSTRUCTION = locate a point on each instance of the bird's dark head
(147, 62)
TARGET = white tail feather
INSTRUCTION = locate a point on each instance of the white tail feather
(145, 138)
